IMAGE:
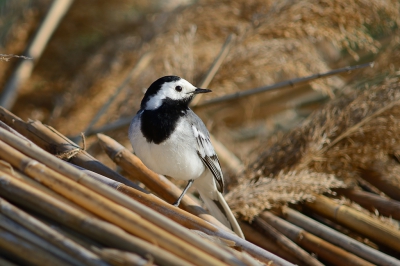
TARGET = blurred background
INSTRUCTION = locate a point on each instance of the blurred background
(104, 54)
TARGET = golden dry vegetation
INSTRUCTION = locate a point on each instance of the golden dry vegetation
(334, 137)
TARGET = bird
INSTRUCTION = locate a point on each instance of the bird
(170, 139)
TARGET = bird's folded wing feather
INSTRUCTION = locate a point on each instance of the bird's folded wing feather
(206, 152)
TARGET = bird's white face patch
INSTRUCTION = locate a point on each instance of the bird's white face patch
(168, 90)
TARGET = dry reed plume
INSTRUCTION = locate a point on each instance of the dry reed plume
(355, 135)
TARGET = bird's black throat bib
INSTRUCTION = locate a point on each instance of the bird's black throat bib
(159, 124)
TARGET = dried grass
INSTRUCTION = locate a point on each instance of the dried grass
(355, 132)
(251, 197)
(387, 220)
(370, 115)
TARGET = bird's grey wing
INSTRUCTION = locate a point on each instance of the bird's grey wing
(205, 149)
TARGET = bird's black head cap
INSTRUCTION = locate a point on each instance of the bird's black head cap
(155, 87)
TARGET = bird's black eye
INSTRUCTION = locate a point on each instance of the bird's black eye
(178, 88)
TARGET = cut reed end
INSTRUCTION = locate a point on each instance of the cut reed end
(110, 146)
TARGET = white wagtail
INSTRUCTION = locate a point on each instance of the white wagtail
(171, 139)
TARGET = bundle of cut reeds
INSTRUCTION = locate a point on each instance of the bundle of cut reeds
(100, 221)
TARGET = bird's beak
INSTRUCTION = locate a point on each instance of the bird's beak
(198, 90)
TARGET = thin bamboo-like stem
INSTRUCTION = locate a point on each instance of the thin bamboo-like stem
(21, 248)
(310, 242)
(285, 243)
(10, 129)
(287, 83)
(122, 258)
(215, 65)
(88, 225)
(50, 235)
(263, 241)
(372, 202)
(377, 179)
(29, 181)
(367, 186)
(20, 231)
(337, 238)
(34, 50)
(357, 221)
(344, 230)
(107, 209)
(74, 235)
(156, 183)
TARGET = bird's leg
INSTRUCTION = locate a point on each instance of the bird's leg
(176, 204)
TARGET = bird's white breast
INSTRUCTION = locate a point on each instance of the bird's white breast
(175, 157)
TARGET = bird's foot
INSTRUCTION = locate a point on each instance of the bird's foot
(176, 204)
